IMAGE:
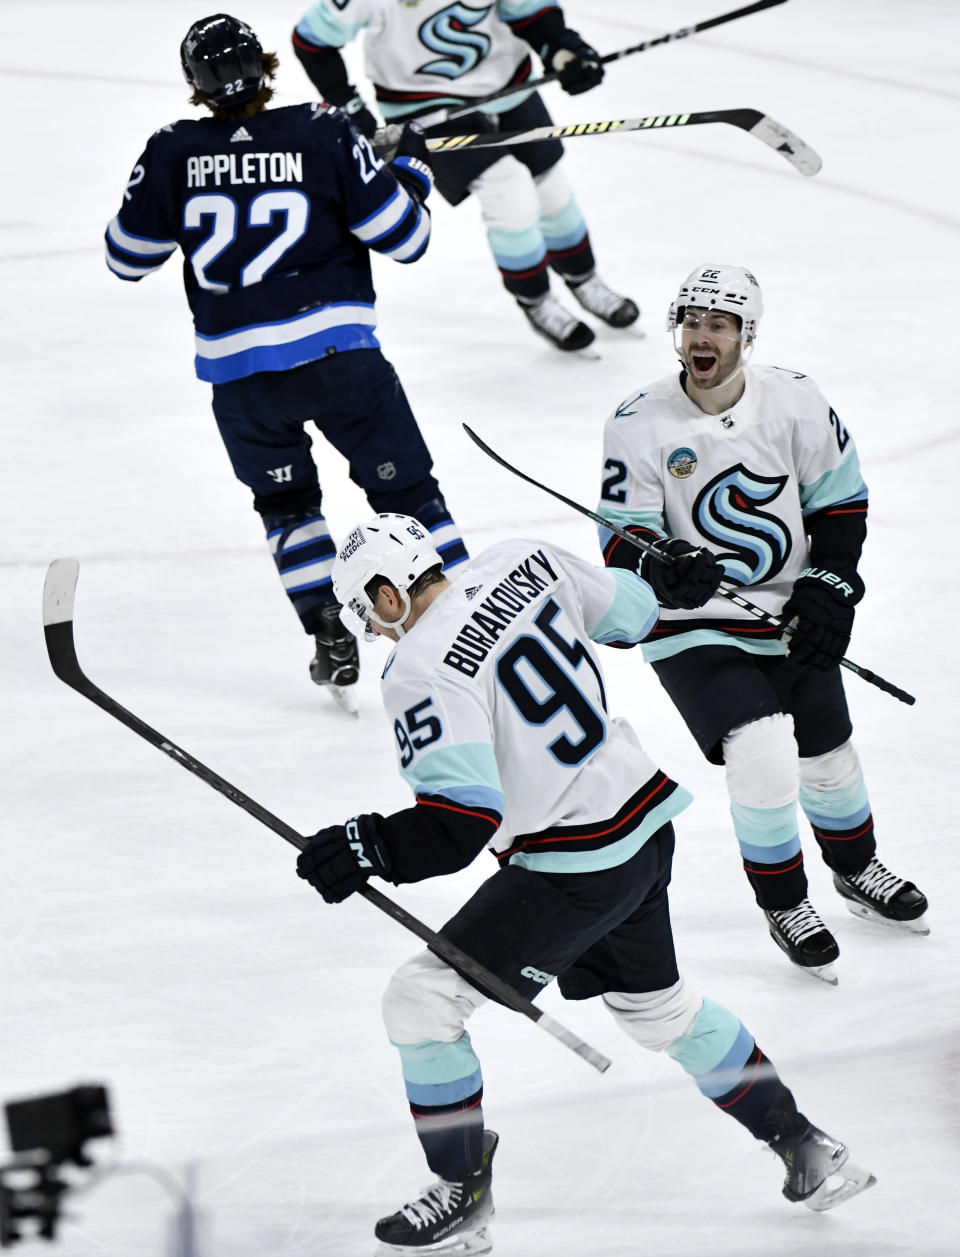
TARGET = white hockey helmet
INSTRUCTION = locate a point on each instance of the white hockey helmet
(730, 288)
(396, 547)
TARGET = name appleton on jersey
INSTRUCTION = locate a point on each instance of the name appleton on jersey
(504, 603)
(217, 169)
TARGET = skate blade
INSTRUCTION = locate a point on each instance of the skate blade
(823, 973)
(853, 1180)
(917, 926)
(342, 697)
(471, 1244)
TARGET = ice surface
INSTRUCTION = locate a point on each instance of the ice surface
(156, 939)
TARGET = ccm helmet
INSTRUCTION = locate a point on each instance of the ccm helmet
(396, 547)
(222, 61)
(730, 288)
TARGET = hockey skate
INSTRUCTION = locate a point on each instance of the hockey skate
(548, 317)
(806, 940)
(596, 298)
(336, 664)
(448, 1218)
(820, 1173)
(876, 894)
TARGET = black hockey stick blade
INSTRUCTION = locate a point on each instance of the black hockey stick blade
(760, 125)
(725, 591)
(59, 596)
(669, 38)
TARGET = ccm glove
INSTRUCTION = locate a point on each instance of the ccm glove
(575, 63)
(355, 107)
(342, 858)
(688, 582)
(820, 612)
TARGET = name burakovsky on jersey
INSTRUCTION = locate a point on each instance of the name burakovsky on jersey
(501, 606)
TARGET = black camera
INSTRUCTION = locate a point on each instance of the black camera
(46, 1133)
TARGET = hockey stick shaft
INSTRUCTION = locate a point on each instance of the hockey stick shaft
(764, 128)
(724, 591)
(59, 595)
(669, 38)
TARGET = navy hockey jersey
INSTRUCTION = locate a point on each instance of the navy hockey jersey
(275, 216)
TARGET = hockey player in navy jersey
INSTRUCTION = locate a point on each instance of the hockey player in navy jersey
(428, 58)
(276, 211)
(497, 701)
(754, 465)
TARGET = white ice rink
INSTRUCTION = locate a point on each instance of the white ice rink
(155, 938)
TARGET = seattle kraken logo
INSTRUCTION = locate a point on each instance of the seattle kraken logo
(449, 32)
(756, 545)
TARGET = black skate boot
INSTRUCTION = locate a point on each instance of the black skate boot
(596, 298)
(813, 1158)
(876, 894)
(805, 939)
(548, 317)
(336, 665)
(449, 1218)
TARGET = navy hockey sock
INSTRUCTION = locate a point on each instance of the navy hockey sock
(452, 1137)
(760, 1101)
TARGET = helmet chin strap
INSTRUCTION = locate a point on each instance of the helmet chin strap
(396, 625)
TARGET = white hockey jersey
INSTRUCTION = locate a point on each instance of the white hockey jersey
(498, 706)
(741, 483)
(426, 54)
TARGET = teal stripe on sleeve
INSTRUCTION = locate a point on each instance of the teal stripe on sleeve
(842, 484)
(633, 612)
(628, 519)
(320, 26)
(462, 772)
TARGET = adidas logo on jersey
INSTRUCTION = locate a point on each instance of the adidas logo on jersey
(240, 135)
(472, 592)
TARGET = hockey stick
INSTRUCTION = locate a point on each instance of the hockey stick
(761, 125)
(669, 38)
(725, 591)
(59, 594)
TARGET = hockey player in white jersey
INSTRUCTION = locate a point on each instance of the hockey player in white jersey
(427, 58)
(753, 465)
(498, 705)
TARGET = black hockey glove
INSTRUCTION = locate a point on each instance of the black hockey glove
(687, 583)
(820, 610)
(360, 116)
(575, 63)
(341, 858)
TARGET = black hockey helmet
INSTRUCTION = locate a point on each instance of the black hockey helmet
(222, 61)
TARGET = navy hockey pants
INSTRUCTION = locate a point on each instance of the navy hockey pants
(358, 403)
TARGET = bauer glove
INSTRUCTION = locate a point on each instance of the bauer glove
(689, 581)
(574, 62)
(342, 858)
(820, 612)
(410, 162)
